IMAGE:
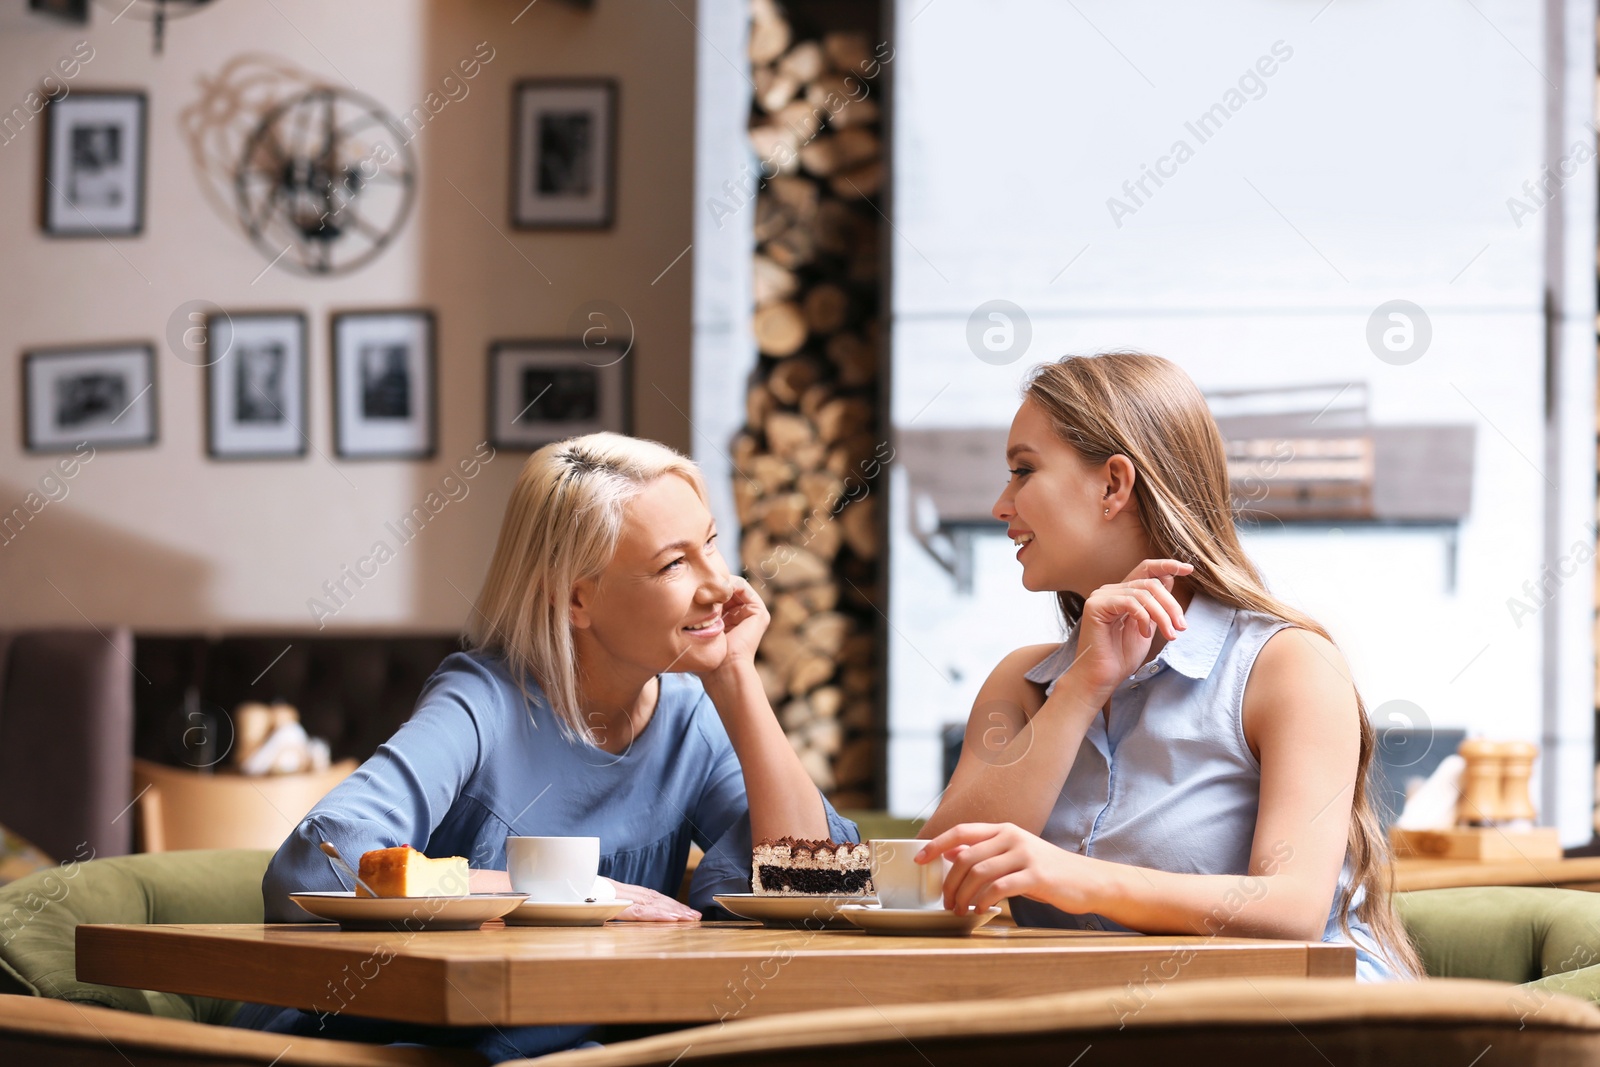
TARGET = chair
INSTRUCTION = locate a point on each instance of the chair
(39, 916)
(48, 1016)
(180, 808)
(1229, 1022)
(39, 1030)
(66, 739)
(880, 824)
(1545, 940)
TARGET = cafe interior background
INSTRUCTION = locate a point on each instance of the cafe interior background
(290, 289)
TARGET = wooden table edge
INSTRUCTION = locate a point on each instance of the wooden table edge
(444, 989)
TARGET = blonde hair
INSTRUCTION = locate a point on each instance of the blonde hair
(1147, 409)
(561, 526)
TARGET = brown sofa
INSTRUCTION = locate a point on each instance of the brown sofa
(1226, 1022)
(66, 739)
(353, 690)
(38, 1030)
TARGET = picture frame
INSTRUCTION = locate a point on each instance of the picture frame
(257, 394)
(384, 394)
(76, 11)
(102, 394)
(564, 153)
(546, 390)
(93, 183)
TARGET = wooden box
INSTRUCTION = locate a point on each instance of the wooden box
(1477, 843)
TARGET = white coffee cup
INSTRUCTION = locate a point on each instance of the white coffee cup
(902, 882)
(553, 869)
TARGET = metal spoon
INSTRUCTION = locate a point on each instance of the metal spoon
(333, 854)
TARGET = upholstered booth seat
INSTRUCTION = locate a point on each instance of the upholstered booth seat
(39, 916)
(48, 1016)
(1547, 939)
(1232, 1022)
(353, 691)
(66, 739)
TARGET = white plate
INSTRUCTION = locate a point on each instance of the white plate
(566, 912)
(408, 913)
(818, 909)
(911, 921)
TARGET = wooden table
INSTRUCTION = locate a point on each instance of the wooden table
(656, 972)
(1584, 873)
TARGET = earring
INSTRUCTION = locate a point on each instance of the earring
(1108, 511)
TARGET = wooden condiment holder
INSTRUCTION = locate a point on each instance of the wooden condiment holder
(1495, 815)
(1516, 802)
(1481, 783)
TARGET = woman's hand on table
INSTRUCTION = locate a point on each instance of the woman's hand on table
(992, 861)
(648, 905)
(652, 907)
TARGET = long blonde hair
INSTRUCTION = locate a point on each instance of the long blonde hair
(561, 526)
(1147, 409)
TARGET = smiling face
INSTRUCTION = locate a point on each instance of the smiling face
(1054, 509)
(657, 606)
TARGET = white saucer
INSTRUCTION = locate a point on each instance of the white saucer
(566, 912)
(813, 909)
(408, 913)
(913, 921)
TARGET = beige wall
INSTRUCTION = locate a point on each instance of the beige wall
(163, 538)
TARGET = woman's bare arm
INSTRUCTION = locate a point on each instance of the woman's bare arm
(1017, 750)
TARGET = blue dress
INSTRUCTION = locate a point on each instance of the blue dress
(477, 762)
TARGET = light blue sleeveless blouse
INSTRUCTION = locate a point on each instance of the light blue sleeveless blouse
(1170, 782)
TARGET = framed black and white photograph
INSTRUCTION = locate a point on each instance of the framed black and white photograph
(543, 391)
(563, 162)
(256, 385)
(104, 395)
(94, 164)
(76, 11)
(383, 384)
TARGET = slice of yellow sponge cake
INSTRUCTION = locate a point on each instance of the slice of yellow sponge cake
(405, 872)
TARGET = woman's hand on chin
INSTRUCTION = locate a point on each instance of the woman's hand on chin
(744, 620)
(652, 907)
(1120, 621)
(990, 862)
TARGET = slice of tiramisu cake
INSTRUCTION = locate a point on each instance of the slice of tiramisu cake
(787, 867)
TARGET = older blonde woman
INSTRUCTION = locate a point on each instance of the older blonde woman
(610, 692)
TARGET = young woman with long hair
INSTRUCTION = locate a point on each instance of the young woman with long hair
(1194, 758)
(610, 692)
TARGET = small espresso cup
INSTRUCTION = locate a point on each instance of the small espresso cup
(900, 880)
(553, 869)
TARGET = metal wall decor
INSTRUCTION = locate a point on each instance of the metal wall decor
(326, 181)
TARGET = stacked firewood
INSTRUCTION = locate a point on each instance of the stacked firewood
(809, 458)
